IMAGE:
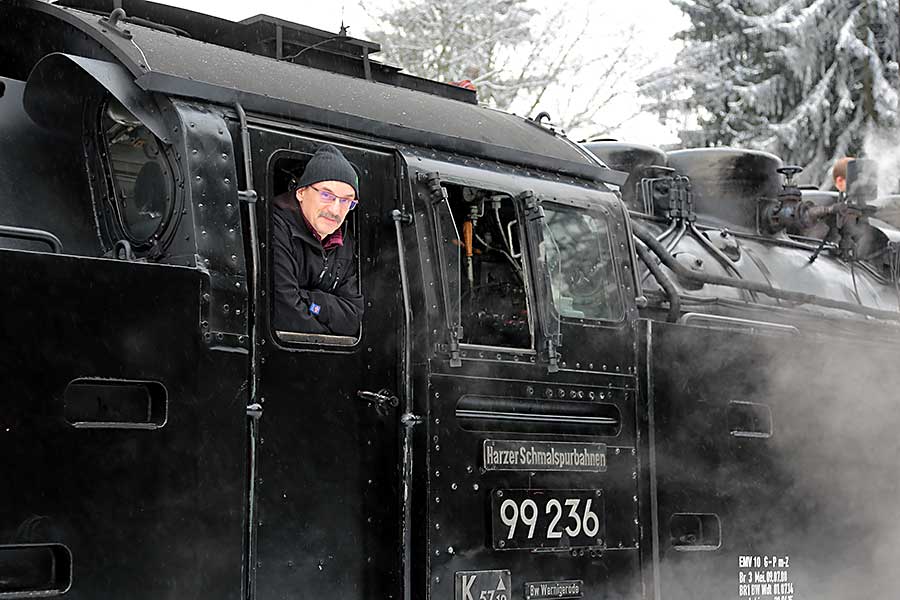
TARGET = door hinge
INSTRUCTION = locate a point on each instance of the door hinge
(456, 334)
(552, 357)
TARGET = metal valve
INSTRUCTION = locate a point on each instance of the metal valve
(789, 172)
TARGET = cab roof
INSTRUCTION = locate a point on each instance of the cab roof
(172, 64)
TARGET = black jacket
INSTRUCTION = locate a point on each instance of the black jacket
(309, 279)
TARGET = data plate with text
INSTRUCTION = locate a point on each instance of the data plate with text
(482, 585)
(547, 519)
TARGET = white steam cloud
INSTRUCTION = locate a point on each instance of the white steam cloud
(883, 146)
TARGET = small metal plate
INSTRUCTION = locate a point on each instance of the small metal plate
(547, 519)
(524, 455)
(482, 585)
(554, 590)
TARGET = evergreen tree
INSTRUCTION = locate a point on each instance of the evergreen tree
(808, 80)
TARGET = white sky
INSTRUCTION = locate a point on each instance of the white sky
(655, 21)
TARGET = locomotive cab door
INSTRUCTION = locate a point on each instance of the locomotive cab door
(327, 470)
(531, 463)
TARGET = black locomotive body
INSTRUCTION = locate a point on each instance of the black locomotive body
(534, 407)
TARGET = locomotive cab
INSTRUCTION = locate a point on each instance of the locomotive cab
(478, 433)
(554, 391)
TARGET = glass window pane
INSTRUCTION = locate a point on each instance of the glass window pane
(140, 175)
(579, 258)
(449, 249)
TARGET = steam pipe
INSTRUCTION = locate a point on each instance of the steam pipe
(683, 272)
(680, 224)
(682, 228)
(666, 233)
(723, 260)
(671, 243)
(664, 281)
(507, 243)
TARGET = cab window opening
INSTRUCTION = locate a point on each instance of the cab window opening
(578, 255)
(483, 270)
(285, 172)
(141, 191)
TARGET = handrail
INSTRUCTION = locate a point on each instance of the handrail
(36, 235)
(255, 404)
(747, 324)
(409, 419)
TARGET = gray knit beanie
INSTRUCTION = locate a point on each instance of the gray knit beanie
(328, 164)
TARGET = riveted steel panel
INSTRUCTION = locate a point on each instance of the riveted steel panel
(213, 201)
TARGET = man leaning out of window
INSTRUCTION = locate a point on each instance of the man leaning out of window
(316, 287)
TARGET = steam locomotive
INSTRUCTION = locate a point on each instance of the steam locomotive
(584, 371)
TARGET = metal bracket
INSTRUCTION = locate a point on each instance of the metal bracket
(401, 216)
(432, 181)
(456, 334)
(410, 420)
(248, 196)
(533, 208)
(543, 121)
(122, 250)
(255, 411)
(112, 21)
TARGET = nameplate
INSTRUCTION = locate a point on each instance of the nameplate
(518, 455)
(558, 590)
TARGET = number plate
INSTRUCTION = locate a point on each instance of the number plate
(527, 519)
(482, 585)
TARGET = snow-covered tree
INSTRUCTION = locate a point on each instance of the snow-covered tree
(517, 58)
(808, 80)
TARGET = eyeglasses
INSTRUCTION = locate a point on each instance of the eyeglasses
(329, 198)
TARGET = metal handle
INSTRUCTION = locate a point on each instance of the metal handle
(37, 235)
(382, 400)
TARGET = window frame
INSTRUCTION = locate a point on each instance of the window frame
(530, 298)
(607, 217)
(108, 203)
(298, 340)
